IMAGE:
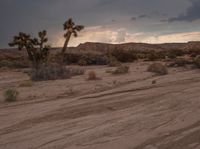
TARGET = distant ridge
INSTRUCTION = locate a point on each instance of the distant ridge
(104, 47)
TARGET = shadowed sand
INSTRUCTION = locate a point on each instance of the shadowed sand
(116, 112)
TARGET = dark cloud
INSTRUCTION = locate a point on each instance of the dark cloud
(33, 15)
(191, 14)
(144, 16)
(133, 18)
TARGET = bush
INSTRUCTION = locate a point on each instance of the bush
(180, 62)
(174, 53)
(50, 72)
(158, 68)
(27, 83)
(197, 61)
(11, 95)
(54, 72)
(92, 75)
(113, 62)
(76, 71)
(82, 62)
(124, 55)
(121, 70)
(153, 55)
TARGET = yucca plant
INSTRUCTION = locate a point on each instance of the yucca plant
(36, 49)
(71, 29)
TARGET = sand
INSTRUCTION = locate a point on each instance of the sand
(115, 112)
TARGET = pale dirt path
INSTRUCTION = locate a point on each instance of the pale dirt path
(129, 114)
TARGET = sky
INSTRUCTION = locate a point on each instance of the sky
(108, 21)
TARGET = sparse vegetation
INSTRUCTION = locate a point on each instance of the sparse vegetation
(123, 55)
(121, 70)
(113, 62)
(197, 61)
(11, 95)
(50, 72)
(27, 83)
(92, 75)
(158, 68)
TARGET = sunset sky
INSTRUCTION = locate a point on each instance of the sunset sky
(109, 21)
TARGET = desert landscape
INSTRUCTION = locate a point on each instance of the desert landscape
(100, 74)
(133, 110)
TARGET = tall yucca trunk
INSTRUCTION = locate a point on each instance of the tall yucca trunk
(66, 43)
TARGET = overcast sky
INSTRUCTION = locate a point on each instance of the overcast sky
(110, 21)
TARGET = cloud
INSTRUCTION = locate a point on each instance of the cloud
(191, 14)
(133, 18)
(121, 36)
(110, 35)
(144, 16)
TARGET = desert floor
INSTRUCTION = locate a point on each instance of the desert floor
(114, 112)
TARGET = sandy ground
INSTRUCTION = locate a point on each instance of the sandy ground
(116, 112)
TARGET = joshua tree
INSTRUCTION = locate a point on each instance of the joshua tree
(37, 51)
(71, 29)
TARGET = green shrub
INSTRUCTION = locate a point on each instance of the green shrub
(11, 95)
(158, 68)
(121, 70)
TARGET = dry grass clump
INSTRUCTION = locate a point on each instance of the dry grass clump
(180, 62)
(113, 62)
(197, 61)
(121, 70)
(50, 72)
(82, 62)
(92, 75)
(27, 83)
(11, 95)
(54, 72)
(158, 68)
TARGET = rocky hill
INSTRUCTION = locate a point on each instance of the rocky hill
(104, 47)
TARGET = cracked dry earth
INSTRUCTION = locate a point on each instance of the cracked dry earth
(116, 112)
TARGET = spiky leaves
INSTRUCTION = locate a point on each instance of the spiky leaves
(71, 29)
(37, 51)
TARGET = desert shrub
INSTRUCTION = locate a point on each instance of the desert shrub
(82, 62)
(50, 72)
(92, 75)
(76, 71)
(113, 62)
(158, 68)
(71, 58)
(54, 72)
(121, 70)
(95, 59)
(173, 53)
(109, 71)
(153, 55)
(180, 62)
(27, 83)
(11, 95)
(124, 55)
(197, 61)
